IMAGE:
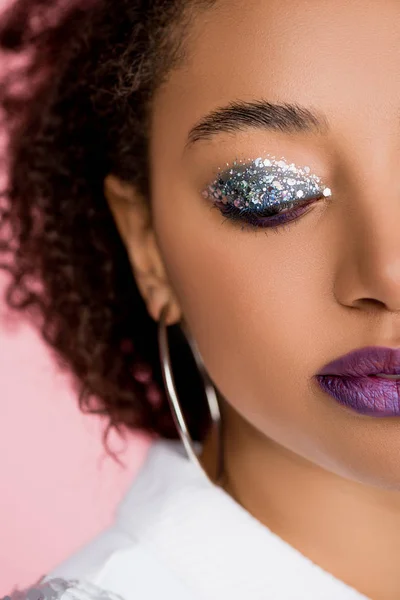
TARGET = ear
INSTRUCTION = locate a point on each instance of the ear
(132, 217)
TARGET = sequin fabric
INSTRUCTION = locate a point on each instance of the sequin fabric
(62, 589)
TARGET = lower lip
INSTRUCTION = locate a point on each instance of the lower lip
(366, 395)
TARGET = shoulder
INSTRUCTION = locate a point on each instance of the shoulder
(118, 563)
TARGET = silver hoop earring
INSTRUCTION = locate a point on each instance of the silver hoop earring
(172, 395)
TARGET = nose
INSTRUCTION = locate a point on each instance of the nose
(368, 268)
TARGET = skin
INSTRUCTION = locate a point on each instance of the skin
(324, 478)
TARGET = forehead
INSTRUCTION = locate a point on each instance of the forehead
(340, 56)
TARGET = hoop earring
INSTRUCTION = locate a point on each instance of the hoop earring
(172, 395)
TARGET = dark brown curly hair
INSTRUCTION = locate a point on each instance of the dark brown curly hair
(76, 98)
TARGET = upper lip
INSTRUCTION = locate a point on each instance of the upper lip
(365, 361)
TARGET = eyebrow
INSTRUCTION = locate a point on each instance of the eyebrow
(259, 114)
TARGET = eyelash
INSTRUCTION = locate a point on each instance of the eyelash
(249, 220)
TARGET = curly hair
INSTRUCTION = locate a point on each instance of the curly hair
(76, 100)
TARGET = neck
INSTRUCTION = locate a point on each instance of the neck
(349, 529)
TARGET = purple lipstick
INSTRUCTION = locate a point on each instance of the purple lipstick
(366, 380)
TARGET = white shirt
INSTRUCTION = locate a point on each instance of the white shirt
(178, 536)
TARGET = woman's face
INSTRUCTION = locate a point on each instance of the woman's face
(269, 308)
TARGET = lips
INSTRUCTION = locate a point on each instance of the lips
(351, 380)
(365, 361)
(366, 395)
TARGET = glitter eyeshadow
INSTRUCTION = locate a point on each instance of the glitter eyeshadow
(264, 184)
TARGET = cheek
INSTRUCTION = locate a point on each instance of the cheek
(252, 302)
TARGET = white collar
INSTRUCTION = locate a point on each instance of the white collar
(213, 543)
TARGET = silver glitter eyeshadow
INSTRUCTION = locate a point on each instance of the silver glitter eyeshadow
(263, 183)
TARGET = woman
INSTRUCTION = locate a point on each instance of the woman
(159, 148)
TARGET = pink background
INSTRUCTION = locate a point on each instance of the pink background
(58, 486)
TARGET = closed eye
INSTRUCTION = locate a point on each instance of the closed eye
(265, 192)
